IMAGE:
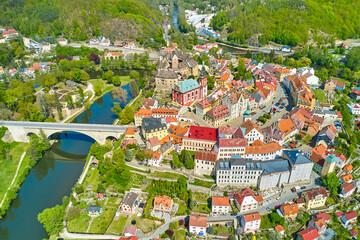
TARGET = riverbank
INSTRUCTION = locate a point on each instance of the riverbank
(105, 88)
(12, 174)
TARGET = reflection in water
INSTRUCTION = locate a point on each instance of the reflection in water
(100, 101)
(49, 180)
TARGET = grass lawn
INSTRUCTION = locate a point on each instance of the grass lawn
(117, 226)
(143, 223)
(202, 183)
(320, 95)
(180, 234)
(79, 224)
(165, 175)
(8, 168)
(98, 82)
(125, 80)
(136, 181)
(101, 223)
(93, 178)
(202, 208)
(182, 207)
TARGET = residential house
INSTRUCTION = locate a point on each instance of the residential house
(281, 73)
(250, 222)
(129, 133)
(112, 55)
(217, 115)
(142, 113)
(220, 205)
(149, 103)
(353, 233)
(163, 204)
(62, 41)
(94, 211)
(200, 138)
(325, 216)
(315, 198)
(347, 189)
(348, 167)
(288, 128)
(308, 234)
(153, 127)
(10, 34)
(346, 178)
(165, 112)
(280, 229)
(289, 210)
(166, 149)
(311, 79)
(349, 218)
(251, 132)
(197, 225)
(273, 134)
(319, 224)
(153, 144)
(333, 84)
(354, 108)
(355, 94)
(155, 159)
(300, 202)
(245, 200)
(46, 47)
(129, 203)
(236, 102)
(205, 163)
(226, 148)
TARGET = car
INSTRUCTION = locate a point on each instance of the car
(280, 100)
(303, 187)
(233, 214)
(281, 107)
(278, 198)
(276, 206)
(268, 208)
(293, 189)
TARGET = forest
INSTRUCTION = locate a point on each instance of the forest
(82, 19)
(289, 22)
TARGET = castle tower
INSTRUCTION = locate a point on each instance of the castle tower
(203, 81)
(175, 62)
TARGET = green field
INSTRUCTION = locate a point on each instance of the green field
(202, 183)
(320, 95)
(8, 168)
(125, 80)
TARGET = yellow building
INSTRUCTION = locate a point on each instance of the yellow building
(142, 113)
(153, 127)
(314, 198)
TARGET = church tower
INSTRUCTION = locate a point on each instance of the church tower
(247, 113)
(203, 81)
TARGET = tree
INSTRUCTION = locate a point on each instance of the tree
(57, 102)
(52, 219)
(81, 93)
(117, 81)
(69, 101)
(108, 76)
(134, 75)
(210, 82)
(64, 65)
(175, 161)
(210, 230)
(127, 115)
(275, 235)
(276, 219)
(97, 90)
(116, 109)
(331, 181)
(65, 201)
(128, 155)
(44, 106)
(94, 58)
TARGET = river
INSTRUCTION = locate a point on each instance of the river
(55, 174)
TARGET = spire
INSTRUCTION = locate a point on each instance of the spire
(203, 71)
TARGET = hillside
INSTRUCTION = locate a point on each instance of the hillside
(290, 22)
(82, 19)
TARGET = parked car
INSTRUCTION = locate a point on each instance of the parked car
(268, 208)
(276, 206)
(303, 187)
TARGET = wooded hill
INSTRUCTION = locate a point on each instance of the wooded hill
(82, 19)
(290, 21)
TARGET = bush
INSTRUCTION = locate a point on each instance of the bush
(210, 230)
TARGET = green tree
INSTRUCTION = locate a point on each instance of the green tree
(210, 82)
(69, 101)
(108, 76)
(52, 219)
(116, 109)
(65, 65)
(134, 88)
(44, 106)
(128, 155)
(117, 81)
(331, 181)
(175, 161)
(97, 90)
(210, 230)
(81, 93)
(134, 75)
(127, 115)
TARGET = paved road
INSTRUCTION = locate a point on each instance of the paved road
(66, 126)
(279, 94)
(152, 55)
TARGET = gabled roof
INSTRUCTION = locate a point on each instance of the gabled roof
(187, 85)
(309, 234)
(249, 125)
(279, 228)
(164, 200)
(350, 215)
(250, 217)
(129, 131)
(347, 187)
(206, 156)
(220, 201)
(324, 216)
(265, 149)
(246, 192)
(290, 209)
(198, 220)
(202, 133)
(287, 126)
(240, 142)
(312, 193)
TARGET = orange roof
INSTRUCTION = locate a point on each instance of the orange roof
(220, 201)
(164, 200)
(165, 111)
(287, 126)
(143, 113)
(347, 177)
(290, 209)
(249, 217)
(267, 148)
(246, 192)
(348, 167)
(165, 140)
(129, 131)
(257, 142)
(279, 228)
(113, 53)
(319, 150)
(283, 70)
(198, 220)
(320, 222)
(249, 125)
(224, 77)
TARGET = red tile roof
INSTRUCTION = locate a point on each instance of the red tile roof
(309, 234)
(350, 215)
(267, 148)
(164, 200)
(202, 133)
(129, 131)
(324, 216)
(206, 156)
(220, 201)
(290, 209)
(198, 220)
(347, 187)
(353, 232)
(246, 192)
(312, 193)
(250, 217)
(249, 125)
(232, 142)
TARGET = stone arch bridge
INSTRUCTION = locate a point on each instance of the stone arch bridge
(21, 131)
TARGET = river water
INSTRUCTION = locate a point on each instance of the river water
(55, 174)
